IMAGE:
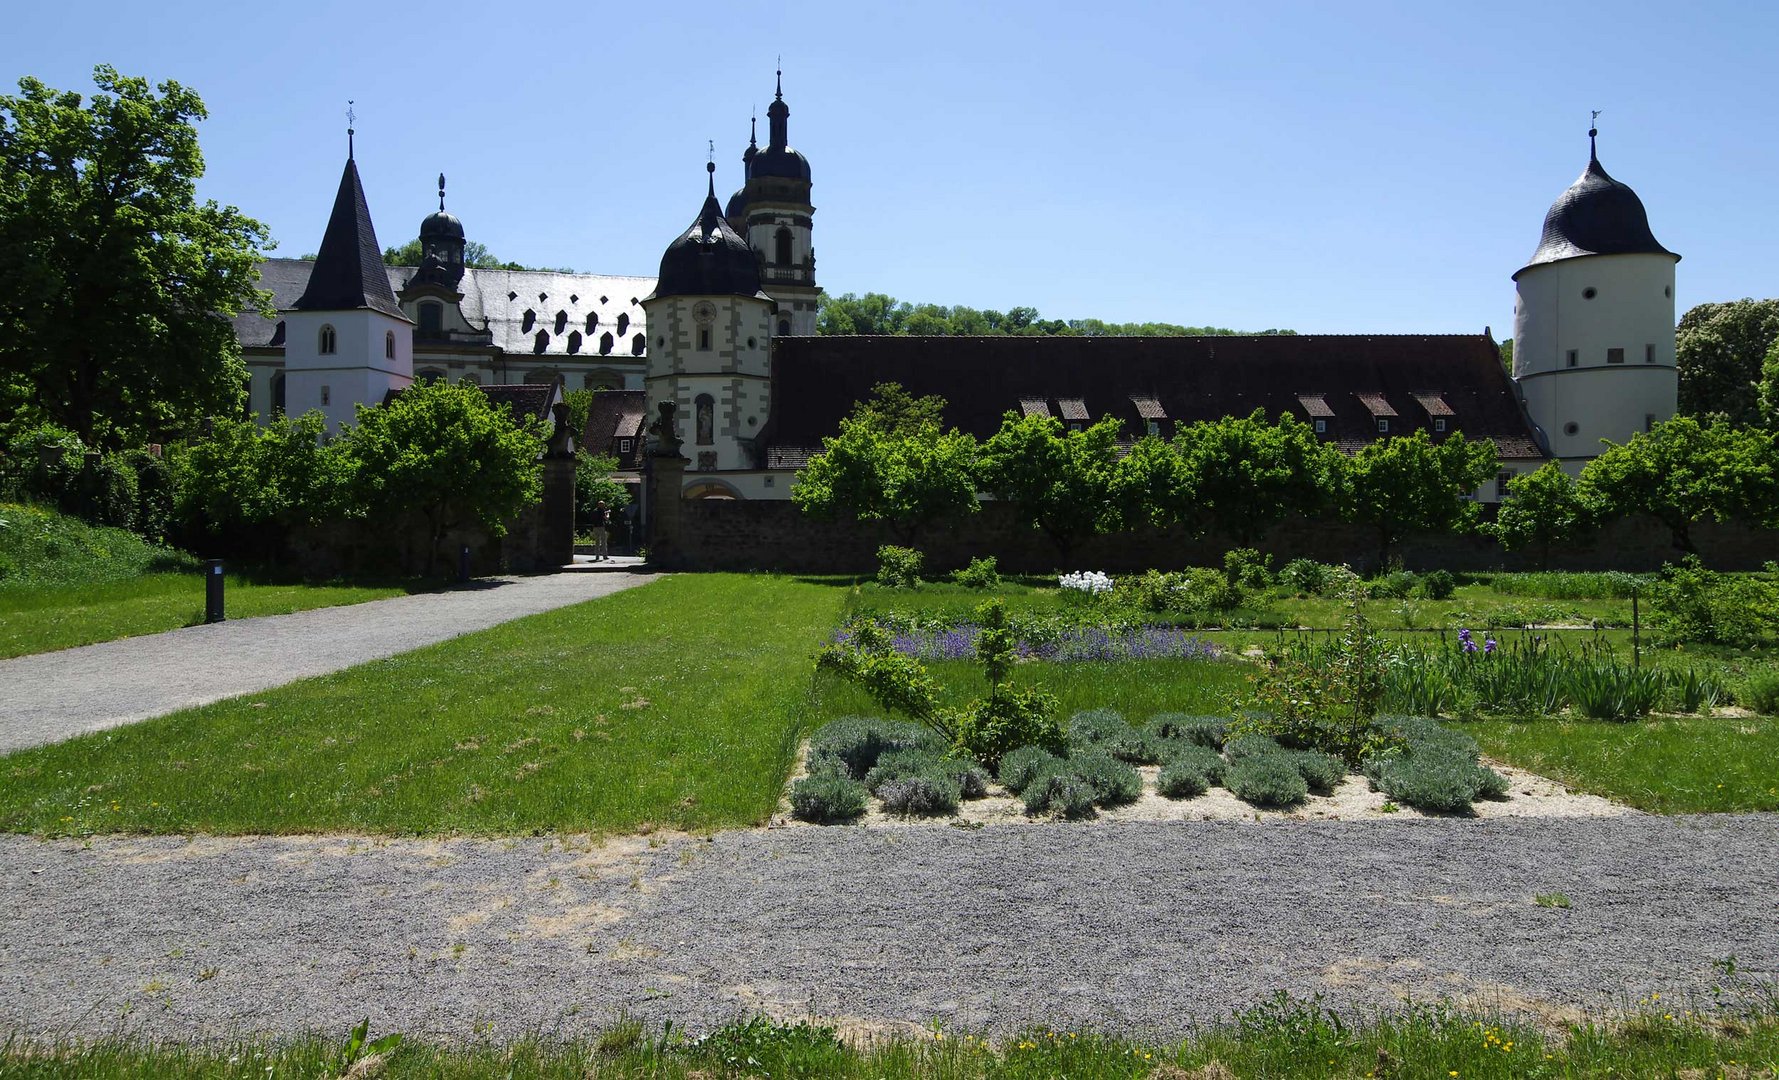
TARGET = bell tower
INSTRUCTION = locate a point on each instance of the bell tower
(779, 222)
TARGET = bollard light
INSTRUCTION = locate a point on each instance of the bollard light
(213, 591)
(463, 563)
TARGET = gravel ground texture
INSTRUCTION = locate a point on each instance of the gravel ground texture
(52, 696)
(1143, 927)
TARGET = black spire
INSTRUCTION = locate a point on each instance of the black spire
(441, 193)
(753, 145)
(777, 116)
(348, 272)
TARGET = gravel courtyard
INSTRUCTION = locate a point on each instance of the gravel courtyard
(1144, 926)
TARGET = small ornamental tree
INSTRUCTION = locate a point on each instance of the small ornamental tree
(1250, 474)
(1684, 472)
(1719, 349)
(1059, 482)
(1151, 485)
(1543, 508)
(905, 479)
(1409, 483)
(441, 455)
(252, 485)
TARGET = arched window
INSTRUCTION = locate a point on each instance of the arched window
(426, 375)
(784, 327)
(704, 339)
(472, 378)
(277, 393)
(705, 407)
(432, 318)
(542, 376)
(638, 344)
(604, 380)
(389, 344)
(781, 247)
(329, 343)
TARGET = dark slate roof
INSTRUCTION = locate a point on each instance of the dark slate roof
(440, 223)
(614, 415)
(591, 305)
(780, 161)
(1596, 216)
(816, 380)
(348, 272)
(710, 258)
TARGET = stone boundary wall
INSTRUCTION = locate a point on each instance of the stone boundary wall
(719, 534)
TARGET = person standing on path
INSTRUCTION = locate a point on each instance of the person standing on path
(602, 530)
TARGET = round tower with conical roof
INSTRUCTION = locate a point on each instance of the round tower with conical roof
(1593, 326)
(780, 223)
(710, 326)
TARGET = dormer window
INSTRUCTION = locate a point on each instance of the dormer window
(329, 343)
(389, 344)
(1383, 425)
(623, 323)
(1321, 426)
(527, 321)
(1439, 423)
(624, 446)
(638, 344)
(605, 343)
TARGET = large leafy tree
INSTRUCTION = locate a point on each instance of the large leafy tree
(1410, 483)
(1769, 388)
(1151, 485)
(1543, 509)
(892, 463)
(116, 284)
(1684, 472)
(1719, 348)
(1059, 482)
(1250, 474)
(440, 454)
(250, 485)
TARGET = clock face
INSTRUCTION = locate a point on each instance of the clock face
(705, 311)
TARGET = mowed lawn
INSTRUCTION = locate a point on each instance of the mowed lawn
(677, 704)
(1669, 765)
(44, 618)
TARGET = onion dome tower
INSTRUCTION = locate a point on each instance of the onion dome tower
(441, 247)
(1593, 327)
(711, 325)
(346, 339)
(780, 224)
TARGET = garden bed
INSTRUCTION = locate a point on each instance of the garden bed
(1353, 797)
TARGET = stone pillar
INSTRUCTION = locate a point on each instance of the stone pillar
(667, 479)
(555, 520)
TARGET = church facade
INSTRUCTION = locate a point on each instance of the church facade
(726, 330)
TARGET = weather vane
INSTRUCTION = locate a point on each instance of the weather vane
(713, 150)
(1594, 120)
(351, 119)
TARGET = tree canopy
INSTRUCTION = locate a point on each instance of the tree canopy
(1409, 483)
(1060, 482)
(1543, 509)
(1720, 349)
(893, 463)
(116, 284)
(1250, 474)
(1684, 472)
(876, 313)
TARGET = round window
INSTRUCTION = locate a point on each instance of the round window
(1571, 428)
(1589, 293)
(1668, 291)
(751, 343)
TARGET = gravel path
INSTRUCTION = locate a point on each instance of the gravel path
(51, 696)
(1142, 927)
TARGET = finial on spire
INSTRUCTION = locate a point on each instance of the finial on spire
(781, 77)
(441, 193)
(753, 129)
(1593, 132)
(351, 119)
(711, 168)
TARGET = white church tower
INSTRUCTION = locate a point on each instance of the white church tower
(710, 327)
(1593, 326)
(346, 340)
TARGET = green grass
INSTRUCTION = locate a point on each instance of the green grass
(39, 619)
(677, 704)
(1669, 765)
(1282, 1038)
(42, 548)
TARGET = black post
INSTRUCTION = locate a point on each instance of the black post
(213, 591)
(463, 563)
(1636, 632)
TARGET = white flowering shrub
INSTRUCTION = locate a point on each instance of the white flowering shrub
(1086, 582)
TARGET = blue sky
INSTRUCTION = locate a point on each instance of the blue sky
(1347, 168)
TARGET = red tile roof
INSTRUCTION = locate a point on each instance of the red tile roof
(816, 380)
